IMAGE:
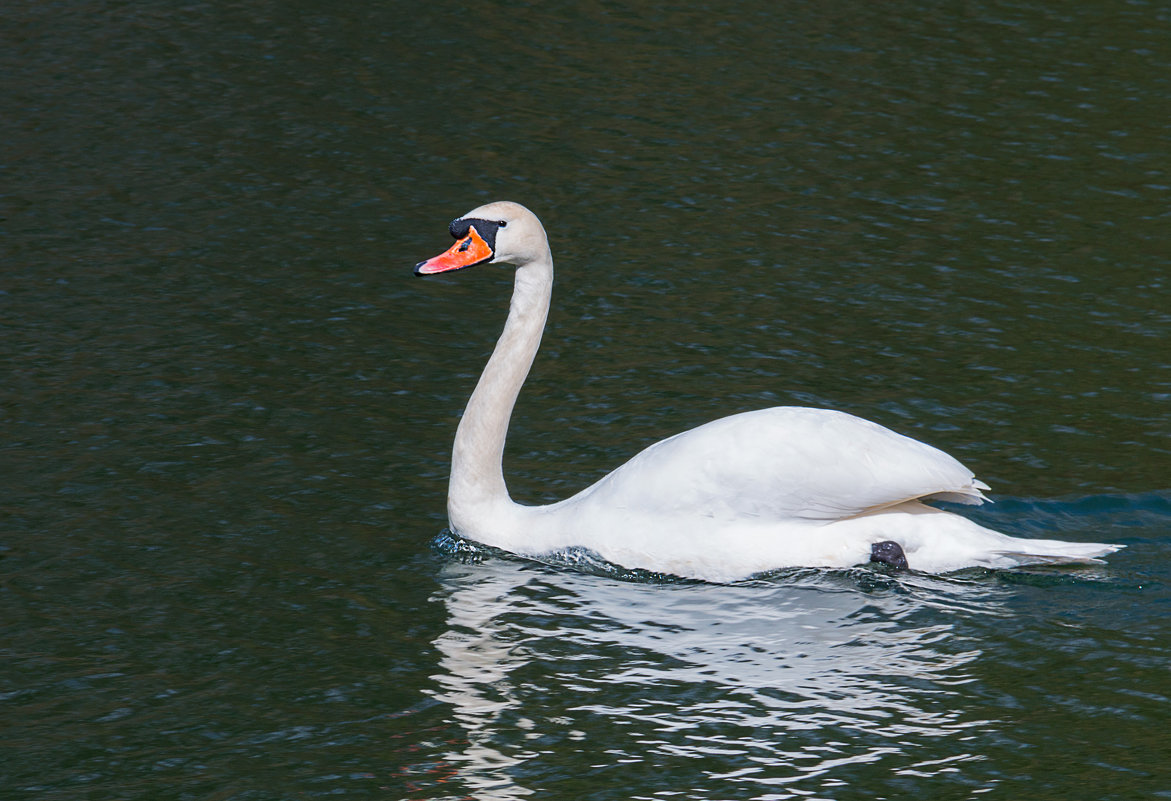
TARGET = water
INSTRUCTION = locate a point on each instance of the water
(227, 406)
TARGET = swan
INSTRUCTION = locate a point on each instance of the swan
(739, 496)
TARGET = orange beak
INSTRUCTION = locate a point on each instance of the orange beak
(472, 249)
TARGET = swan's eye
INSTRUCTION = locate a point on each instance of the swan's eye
(503, 223)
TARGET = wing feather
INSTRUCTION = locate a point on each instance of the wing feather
(784, 463)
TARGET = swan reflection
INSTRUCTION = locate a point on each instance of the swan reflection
(791, 681)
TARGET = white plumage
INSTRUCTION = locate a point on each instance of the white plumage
(758, 491)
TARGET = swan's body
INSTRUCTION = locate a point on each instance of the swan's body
(775, 488)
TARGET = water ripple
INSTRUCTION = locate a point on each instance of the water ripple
(780, 681)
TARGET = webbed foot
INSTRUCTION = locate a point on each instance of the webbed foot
(889, 552)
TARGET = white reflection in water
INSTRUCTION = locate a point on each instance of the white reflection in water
(792, 682)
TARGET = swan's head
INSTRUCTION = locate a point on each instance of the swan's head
(497, 233)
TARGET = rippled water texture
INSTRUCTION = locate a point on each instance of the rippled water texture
(227, 407)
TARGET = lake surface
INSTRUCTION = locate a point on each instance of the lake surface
(227, 406)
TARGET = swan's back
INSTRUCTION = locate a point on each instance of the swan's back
(785, 464)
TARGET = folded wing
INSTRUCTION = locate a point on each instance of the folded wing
(784, 464)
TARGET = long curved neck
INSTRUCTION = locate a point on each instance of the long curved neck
(477, 474)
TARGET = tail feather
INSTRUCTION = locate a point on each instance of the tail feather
(1056, 552)
(1050, 559)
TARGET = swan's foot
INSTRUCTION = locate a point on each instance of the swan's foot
(889, 552)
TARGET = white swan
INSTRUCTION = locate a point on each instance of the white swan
(758, 491)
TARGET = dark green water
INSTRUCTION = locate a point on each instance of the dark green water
(227, 406)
